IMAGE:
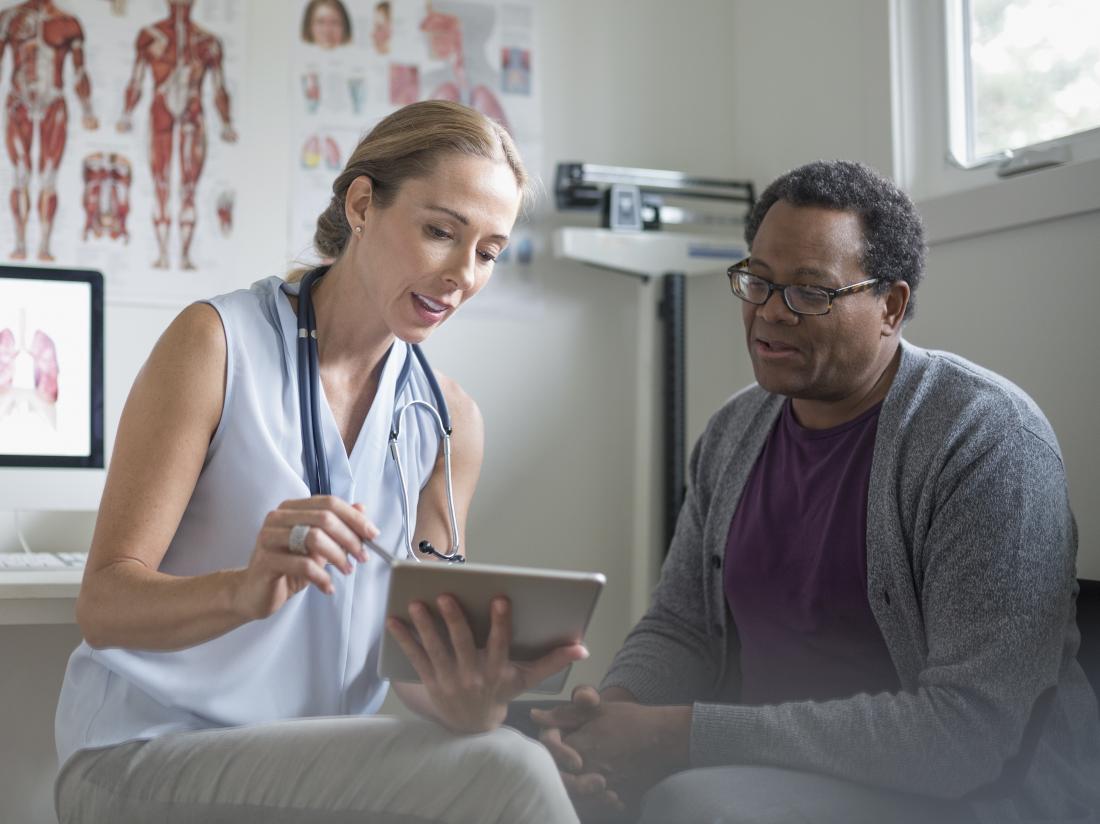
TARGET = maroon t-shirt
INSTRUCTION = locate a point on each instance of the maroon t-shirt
(796, 567)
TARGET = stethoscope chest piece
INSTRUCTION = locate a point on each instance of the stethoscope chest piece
(426, 548)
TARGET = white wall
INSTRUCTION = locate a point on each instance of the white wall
(623, 82)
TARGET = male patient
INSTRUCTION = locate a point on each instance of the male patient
(867, 611)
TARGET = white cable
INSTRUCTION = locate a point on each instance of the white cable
(19, 532)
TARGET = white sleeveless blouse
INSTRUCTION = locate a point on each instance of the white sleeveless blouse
(318, 655)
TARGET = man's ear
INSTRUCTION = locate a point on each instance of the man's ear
(893, 308)
(359, 196)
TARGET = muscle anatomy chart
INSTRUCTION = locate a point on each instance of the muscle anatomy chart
(381, 55)
(179, 55)
(107, 179)
(143, 199)
(41, 38)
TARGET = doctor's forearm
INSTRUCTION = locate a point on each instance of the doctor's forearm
(129, 605)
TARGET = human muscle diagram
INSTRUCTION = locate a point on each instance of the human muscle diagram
(225, 212)
(388, 54)
(121, 139)
(179, 55)
(40, 38)
(107, 179)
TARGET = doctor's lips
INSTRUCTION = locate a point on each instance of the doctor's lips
(431, 305)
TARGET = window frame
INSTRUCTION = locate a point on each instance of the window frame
(961, 110)
(1058, 177)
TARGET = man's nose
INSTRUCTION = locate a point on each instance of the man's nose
(776, 310)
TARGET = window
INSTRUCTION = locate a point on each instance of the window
(1020, 73)
(996, 110)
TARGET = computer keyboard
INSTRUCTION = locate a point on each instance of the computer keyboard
(38, 561)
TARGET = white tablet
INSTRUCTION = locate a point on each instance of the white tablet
(549, 608)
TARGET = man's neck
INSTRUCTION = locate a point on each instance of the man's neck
(825, 414)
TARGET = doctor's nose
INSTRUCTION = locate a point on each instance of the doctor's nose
(462, 271)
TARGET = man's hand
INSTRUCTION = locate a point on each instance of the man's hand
(588, 790)
(631, 745)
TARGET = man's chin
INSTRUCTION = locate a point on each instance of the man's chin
(777, 384)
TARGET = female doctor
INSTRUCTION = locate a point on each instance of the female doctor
(233, 619)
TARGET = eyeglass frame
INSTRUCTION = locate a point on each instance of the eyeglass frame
(831, 294)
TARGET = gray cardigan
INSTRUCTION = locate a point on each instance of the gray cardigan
(971, 551)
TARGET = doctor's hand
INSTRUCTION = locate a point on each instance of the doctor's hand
(280, 567)
(470, 687)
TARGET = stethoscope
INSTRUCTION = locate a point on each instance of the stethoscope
(313, 446)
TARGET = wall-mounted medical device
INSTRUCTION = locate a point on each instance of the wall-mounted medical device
(635, 199)
(703, 219)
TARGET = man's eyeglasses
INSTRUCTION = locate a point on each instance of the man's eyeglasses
(800, 299)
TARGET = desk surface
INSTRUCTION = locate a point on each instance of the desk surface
(45, 596)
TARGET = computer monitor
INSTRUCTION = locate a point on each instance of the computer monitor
(51, 388)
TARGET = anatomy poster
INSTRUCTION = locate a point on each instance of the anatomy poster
(120, 140)
(355, 61)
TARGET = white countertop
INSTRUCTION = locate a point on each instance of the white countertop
(46, 596)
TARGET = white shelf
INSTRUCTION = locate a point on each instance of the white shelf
(45, 596)
(650, 254)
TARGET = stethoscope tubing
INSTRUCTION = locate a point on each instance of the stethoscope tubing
(315, 459)
(445, 438)
(317, 462)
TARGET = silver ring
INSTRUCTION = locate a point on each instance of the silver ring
(298, 535)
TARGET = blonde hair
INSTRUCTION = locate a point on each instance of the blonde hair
(409, 144)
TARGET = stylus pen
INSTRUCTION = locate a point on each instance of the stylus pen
(384, 554)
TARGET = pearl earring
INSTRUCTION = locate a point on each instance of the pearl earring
(359, 230)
